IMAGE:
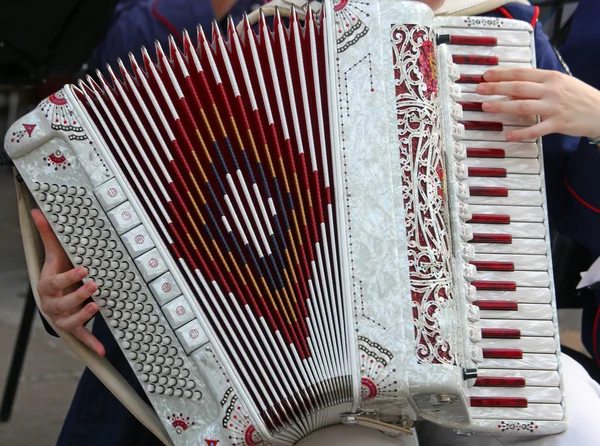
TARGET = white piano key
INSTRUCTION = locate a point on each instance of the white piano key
(474, 97)
(512, 181)
(512, 165)
(521, 295)
(528, 328)
(468, 88)
(528, 344)
(537, 279)
(521, 262)
(533, 378)
(505, 119)
(486, 135)
(530, 361)
(503, 53)
(526, 312)
(515, 198)
(538, 412)
(516, 213)
(525, 246)
(480, 69)
(516, 229)
(504, 38)
(534, 395)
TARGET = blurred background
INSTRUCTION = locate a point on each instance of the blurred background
(42, 46)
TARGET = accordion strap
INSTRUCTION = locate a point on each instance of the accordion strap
(101, 367)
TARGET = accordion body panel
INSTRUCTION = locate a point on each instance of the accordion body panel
(278, 225)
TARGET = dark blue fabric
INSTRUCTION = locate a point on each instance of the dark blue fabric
(581, 52)
(139, 23)
(96, 417)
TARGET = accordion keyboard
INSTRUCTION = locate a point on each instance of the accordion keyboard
(502, 185)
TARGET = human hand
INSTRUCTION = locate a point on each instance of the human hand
(60, 296)
(565, 104)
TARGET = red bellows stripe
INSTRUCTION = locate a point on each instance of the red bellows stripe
(493, 381)
(473, 152)
(490, 219)
(473, 40)
(475, 60)
(493, 266)
(502, 239)
(499, 305)
(470, 106)
(494, 285)
(480, 401)
(488, 191)
(501, 333)
(502, 353)
(470, 79)
(487, 126)
(493, 172)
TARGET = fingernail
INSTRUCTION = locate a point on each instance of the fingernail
(509, 137)
(92, 308)
(485, 106)
(82, 273)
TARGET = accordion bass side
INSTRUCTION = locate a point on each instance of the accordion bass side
(311, 224)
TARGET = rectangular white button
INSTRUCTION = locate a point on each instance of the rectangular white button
(137, 241)
(151, 265)
(164, 289)
(191, 336)
(124, 218)
(178, 312)
(110, 194)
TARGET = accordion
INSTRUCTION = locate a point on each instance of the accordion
(311, 222)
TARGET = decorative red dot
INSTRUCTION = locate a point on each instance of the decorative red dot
(372, 89)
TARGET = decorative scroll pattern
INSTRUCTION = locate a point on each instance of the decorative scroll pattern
(378, 383)
(421, 161)
(238, 422)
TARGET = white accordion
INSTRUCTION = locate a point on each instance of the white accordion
(312, 224)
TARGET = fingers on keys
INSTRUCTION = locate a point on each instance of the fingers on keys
(53, 284)
(533, 132)
(516, 74)
(51, 244)
(513, 89)
(84, 335)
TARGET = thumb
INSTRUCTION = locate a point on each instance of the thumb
(52, 246)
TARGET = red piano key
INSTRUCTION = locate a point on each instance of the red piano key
(481, 401)
(486, 126)
(490, 219)
(498, 305)
(473, 152)
(474, 60)
(470, 106)
(470, 79)
(502, 353)
(502, 239)
(488, 191)
(494, 285)
(493, 266)
(501, 333)
(497, 381)
(473, 40)
(494, 172)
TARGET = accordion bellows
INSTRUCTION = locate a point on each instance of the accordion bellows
(278, 222)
